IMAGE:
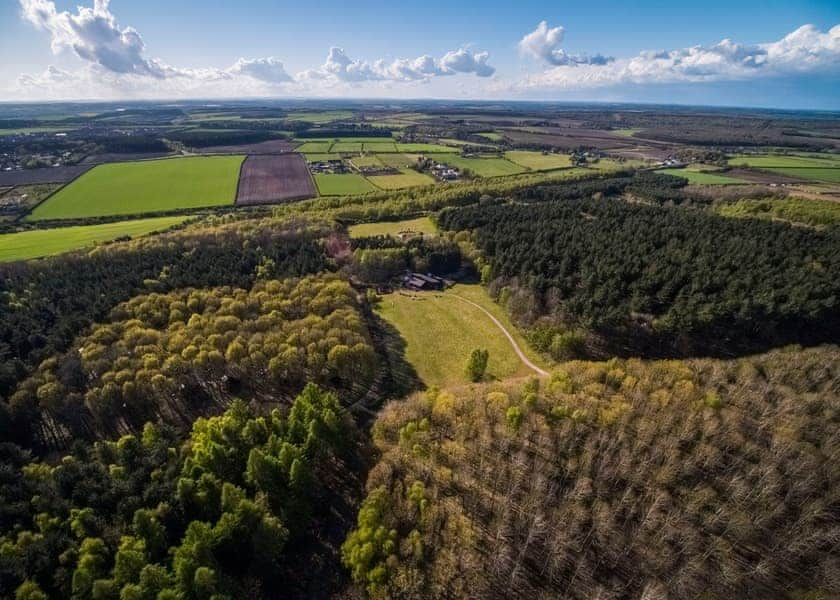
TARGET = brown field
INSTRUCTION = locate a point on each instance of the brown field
(270, 179)
(268, 147)
(569, 138)
(45, 175)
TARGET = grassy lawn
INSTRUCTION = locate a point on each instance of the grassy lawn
(343, 184)
(406, 179)
(703, 178)
(537, 161)
(483, 167)
(422, 225)
(45, 242)
(440, 331)
(145, 186)
(379, 147)
(423, 148)
(795, 210)
(314, 147)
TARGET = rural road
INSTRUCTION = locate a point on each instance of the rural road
(516, 348)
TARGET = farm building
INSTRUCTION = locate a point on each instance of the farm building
(421, 282)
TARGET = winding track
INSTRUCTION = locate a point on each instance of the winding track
(516, 348)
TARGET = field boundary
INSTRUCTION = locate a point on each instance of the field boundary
(26, 213)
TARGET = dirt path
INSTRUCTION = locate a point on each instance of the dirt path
(516, 348)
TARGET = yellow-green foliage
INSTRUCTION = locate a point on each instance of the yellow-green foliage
(677, 470)
(167, 355)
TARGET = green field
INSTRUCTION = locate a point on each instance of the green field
(537, 161)
(398, 161)
(342, 184)
(423, 148)
(45, 242)
(366, 161)
(625, 132)
(795, 210)
(762, 161)
(316, 157)
(826, 175)
(703, 178)
(492, 136)
(346, 147)
(316, 147)
(379, 147)
(348, 140)
(327, 116)
(145, 186)
(407, 178)
(422, 225)
(22, 130)
(482, 167)
(440, 331)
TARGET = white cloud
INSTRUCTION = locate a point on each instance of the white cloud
(806, 50)
(267, 69)
(340, 67)
(544, 44)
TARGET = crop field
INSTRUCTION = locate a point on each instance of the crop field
(327, 116)
(25, 245)
(48, 175)
(492, 136)
(379, 147)
(344, 184)
(423, 148)
(482, 167)
(440, 332)
(316, 157)
(406, 179)
(314, 147)
(537, 161)
(703, 177)
(348, 140)
(266, 147)
(270, 179)
(398, 161)
(824, 175)
(143, 187)
(346, 147)
(422, 225)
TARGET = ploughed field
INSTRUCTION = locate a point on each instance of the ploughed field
(145, 187)
(274, 178)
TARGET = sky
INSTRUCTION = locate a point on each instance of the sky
(747, 53)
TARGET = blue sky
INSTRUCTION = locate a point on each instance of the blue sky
(52, 50)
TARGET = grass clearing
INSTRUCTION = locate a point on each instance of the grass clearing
(483, 167)
(816, 213)
(342, 184)
(406, 179)
(703, 177)
(37, 243)
(441, 331)
(422, 225)
(314, 147)
(537, 161)
(145, 186)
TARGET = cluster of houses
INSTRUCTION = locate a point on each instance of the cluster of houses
(672, 162)
(420, 282)
(444, 172)
(328, 166)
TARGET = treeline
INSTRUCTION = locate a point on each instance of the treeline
(221, 137)
(657, 281)
(44, 304)
(173, 357)
(379, 259)
(234, 511)
(622, 479)
(350, 130)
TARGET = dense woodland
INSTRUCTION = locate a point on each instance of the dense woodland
(712, 479)
(653, 280)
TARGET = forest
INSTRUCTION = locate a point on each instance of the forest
(655, 280)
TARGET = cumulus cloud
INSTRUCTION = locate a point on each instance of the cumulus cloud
(267, 69)
(340, 67)
(544, 44)
(805, 50)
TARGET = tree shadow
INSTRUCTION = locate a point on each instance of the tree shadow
(400, 377)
